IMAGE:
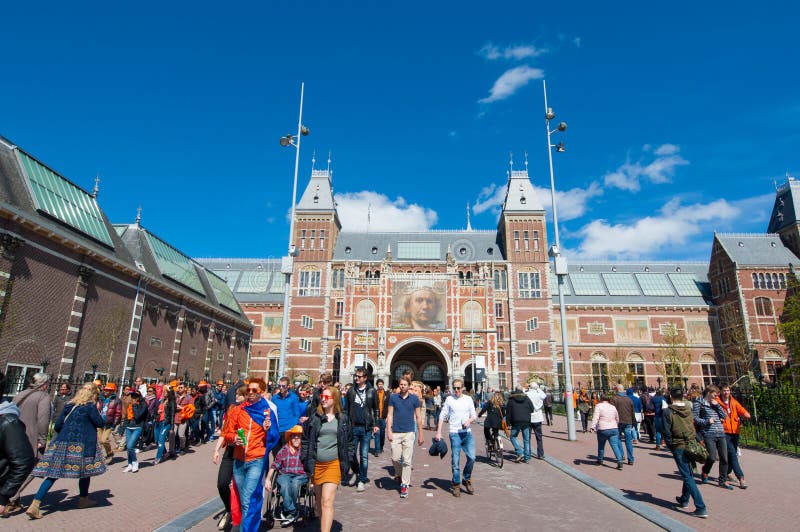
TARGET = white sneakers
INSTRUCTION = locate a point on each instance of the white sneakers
(128, 468)
(360, 487)
(131, 468)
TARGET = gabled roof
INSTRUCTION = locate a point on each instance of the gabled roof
(318, 195)
(682, 284)
(251, 280)
(520, 195)
(785, 210)
(749, 249)
(426, 246)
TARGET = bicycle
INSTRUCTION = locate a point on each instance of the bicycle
(494, 450)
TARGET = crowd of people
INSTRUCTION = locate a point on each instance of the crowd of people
(293, 439)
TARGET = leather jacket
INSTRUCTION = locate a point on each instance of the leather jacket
(308, 448)
(17, 458)
(370, 405)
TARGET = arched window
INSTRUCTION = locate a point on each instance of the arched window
(337, 362)
(769, 281)
(402, 368)
(471, 315)
(365, 314)
(599, 371)
(761, 282)
(782, 280)
(709, 368)
(309, 282)
(755, 280)
(763, 306)
(432, 372)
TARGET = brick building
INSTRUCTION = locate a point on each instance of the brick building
(493, 302)
(80, 297)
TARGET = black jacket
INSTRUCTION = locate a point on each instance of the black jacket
(16, 456)
(518, 410)
(139, 414)
(370, 405)
(494, 416)
(308, 448)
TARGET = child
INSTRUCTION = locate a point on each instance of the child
(292, 475)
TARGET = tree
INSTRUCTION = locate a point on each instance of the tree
(790, 318)
(674, 358)
(736, 349)
(618, 369)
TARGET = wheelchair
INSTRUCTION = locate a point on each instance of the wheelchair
(273, 504)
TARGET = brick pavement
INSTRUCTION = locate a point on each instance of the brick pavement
(127, 501)
(654, 481)
(517, 497)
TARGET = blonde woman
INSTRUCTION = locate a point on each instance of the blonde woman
(74, 453)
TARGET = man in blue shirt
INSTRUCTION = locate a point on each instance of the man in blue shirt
(404, 411)
(288, 404)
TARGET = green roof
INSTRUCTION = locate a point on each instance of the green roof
(175, 265)
(63, 200)
(222, 292)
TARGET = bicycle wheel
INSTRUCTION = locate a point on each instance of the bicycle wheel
(498, 444)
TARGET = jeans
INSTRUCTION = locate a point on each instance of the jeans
(83, 487)
(131, 437)
(430, 415)
(526, 441)
(361, 447)
(290, 491)
(380, 436)
(462, 441)
(717, 450)
(162, 431)
(247, 476)
(689, 485)
(659, 429)
(611, 436)
(537, 431)
(585, 417)
(630, 435)
(733, 457)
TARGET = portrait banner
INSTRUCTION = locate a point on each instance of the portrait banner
(419, 304)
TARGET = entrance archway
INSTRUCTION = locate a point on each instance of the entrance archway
(423, 358)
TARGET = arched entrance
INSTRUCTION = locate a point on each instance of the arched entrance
(425, 360)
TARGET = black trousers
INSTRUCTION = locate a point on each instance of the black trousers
(536, 428)
(224, 477)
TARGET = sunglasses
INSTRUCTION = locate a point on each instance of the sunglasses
(326, 396)
(283, 386)
(294, 436)
(456, 387)
(253, 390)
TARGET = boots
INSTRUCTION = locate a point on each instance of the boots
(466, 485)
(33, 510)
(85, 502)
(456, 490)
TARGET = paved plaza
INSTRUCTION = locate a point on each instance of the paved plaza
(182, 494)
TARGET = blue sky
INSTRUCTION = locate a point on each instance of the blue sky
(681, 116)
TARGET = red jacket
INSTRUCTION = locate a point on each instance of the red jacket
(734, 412)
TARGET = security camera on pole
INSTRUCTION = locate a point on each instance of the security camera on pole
(559, 265)
(287, 263)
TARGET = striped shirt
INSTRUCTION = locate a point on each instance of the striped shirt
(288, 463)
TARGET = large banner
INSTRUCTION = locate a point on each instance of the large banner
(418, 304)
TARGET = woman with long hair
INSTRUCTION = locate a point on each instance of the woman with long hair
(495, 412)
(605, 422)
(166, 413)
(326, 449)
(74, 452)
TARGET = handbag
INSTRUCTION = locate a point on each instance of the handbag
(696, 451)
(506, 428)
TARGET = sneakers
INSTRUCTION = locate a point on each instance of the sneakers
(287, 521)
(403, 491)
(704, 479)
(519, 459)
(725, 485)
(702, 514)
(360, 487)
(128, 468)
(742, 484)
(456, 490)
(682, 505)
(467, 485)
(630, 462)
(353, 480)
(619, 465)
(135, 468)
(223, 521)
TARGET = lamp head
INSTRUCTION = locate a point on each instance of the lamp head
(304, 131)
(286, 141)
(562, 126)
(549, 115)
(560, 147)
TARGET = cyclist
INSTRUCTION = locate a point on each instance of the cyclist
(495, 413)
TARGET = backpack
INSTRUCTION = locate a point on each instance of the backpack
(649, 405)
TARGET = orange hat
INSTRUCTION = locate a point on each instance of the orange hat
(220, 382)
(173, 384)
(110, 386)
(297, 429)
(202, 383)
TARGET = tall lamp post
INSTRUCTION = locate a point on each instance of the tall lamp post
(287, 262)
(560, 264)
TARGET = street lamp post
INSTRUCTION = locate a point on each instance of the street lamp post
(287, 263)
(560, 265)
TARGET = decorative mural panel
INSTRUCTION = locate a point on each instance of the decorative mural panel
(632, 331)
(572, 330)
(698, 332)
(418, 304)
(271, 328)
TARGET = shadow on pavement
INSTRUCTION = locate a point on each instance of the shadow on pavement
(443, 484)
(648, 498)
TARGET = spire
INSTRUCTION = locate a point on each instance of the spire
(511, 161)
(96, 188)
(526, 161)
(313, 159)
(469, 227)
(139, 215)
(329, 162)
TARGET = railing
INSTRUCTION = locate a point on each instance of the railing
(11, 387)
(775, 421)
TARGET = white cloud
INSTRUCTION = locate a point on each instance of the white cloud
(577, 42)
(384, 214)
(511, 81)
(492, 52)
(571, 203)
(660, 170)
(672, 229)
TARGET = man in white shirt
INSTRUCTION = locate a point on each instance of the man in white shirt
(459, 410)
(537, 396)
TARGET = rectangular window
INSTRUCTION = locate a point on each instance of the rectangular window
(220, 356)
(337, 331)
(322, 239)
(419, 250)
(532, 324)
(599, 375)
(339, 309)
(501, 357)
(309, 283)
(529, 285)
(525, 240)
(500, 280)
(156, 342)
(709, 374)
(18, 376)
(502, 380)
(773, 366)
(338, 278)
(533, 348)
(500, 332)
(305, 345)
(636, 369)
(307, 322)
(498, 310)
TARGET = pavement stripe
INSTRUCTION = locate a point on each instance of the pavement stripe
(192, 517)
(654, 516)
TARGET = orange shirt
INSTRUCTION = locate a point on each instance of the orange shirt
(381, 393)
(734, 411)
(256, 436)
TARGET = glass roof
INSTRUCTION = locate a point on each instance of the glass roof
(655, 284)
(554, 285)
(223, 293)
(621, 284)
(175, 265)
(686, 284)
(278, 283)
(587, 284)
(254, 281)
(230, 277)
(64, 201)
(419, 250)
